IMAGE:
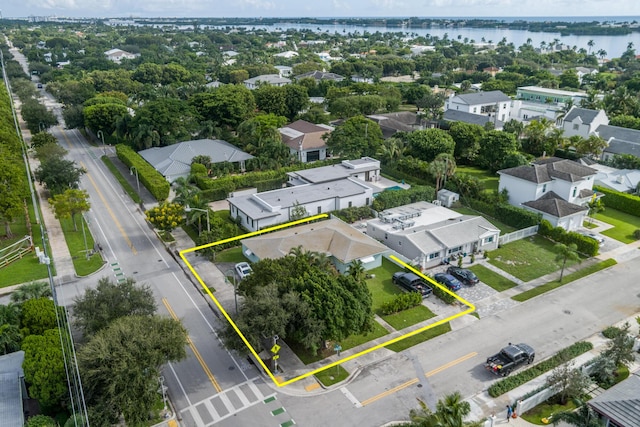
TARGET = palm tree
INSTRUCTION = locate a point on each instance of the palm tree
(452, 410)
(10, 314)
(591, 44)
(10, 338)
(602, 53)
(31, 291)
(566, 252)
(584, 416)
(357, 271)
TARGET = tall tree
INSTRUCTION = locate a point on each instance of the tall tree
(356, 137)
(495, 147)
(13, 191)
(109, 301)
(569, 382)
(59, 174)
(69, 204)
(427, 144)
(620, 348)
(467, 138)
(121, 364)
(228, 105)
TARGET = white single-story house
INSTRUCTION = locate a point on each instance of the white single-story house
(342, 243)
(557, 188)
(619, 406)
(266, 79)
(174, 161)
(117, 55)
(260, 210)
(429, 234)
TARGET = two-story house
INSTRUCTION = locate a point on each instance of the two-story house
(558, 189)
(489, 104)
(583, 121)
(305, 140)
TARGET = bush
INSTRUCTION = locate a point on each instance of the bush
(393, 198)
(586, 245)
(353, 214)
(149, 177)
(505, 385)
(444, 296)
(611, 332)
(636, 234)
(401, 302)
(624, 202)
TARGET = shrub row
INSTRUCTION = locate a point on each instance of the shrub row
(586, 245)
(443, 295)
(396, 174)
(505, 213)
(392, 198)
(353, 214)
(503, 386)
(148, 176)
(624, 202)
(401, 302)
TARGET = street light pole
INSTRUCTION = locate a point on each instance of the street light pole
(101, 136)
(133, 169)
(235, 286)
(84, 237)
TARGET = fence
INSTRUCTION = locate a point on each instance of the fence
(518, 234)
(15, 251)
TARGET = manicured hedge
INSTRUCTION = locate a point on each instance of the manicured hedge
(353, 214)
(393, 198)
(586, 245)
(401, 302)
(510, 215)
(503, 386)
(149, 177)
(624, 202)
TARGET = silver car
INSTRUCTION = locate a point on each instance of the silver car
(243, 269)
(595, 237)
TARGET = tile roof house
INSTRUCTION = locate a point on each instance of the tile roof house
(620, 405)
(483, 103)
(174, 161)
(583, 121)
(392, 123)
(305, 140)
(270, 79)
(557, 188)
(341, 242)
(320, 75)
(429, 234)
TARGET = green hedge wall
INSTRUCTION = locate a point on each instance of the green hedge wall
(586, 245)
(401, 302)
(624, 202)
(505, 213)
(150, 178)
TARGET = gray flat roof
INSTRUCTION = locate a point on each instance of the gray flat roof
(11, 411)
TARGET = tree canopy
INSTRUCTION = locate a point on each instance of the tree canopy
(356, 137)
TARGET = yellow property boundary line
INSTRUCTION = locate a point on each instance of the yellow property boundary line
(471, 307)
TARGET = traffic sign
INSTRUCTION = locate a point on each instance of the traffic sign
(276, 348)
(276, 356)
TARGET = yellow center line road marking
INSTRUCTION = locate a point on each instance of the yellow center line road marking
(111, 214)
(415, 380)
(195, 350)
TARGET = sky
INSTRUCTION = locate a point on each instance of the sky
(318, 8)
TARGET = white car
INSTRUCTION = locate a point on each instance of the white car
(243, 269)
(596, 237)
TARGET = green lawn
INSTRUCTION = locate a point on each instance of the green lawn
(491, 278)
(381, 288)
(527, 259)
(568, 278)
(78, 249)
(27, 269)
(545, 410)
(408, 317)
(421, 337)
(356, 340)
(231, 255)
(488, 179)
(121, 179)
(504, 228)
(332, 375)
(624, 224)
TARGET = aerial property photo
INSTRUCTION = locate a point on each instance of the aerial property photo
(272, 214)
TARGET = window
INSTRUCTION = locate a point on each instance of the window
(487, 240)
(576, 126)
(386, 236)
(350, 204)
(454, 250)
(475, 109)
(544, 188)
(367, 202)
(574, 191)
(434, 255)
(319, 209)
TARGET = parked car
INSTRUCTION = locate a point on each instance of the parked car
(464, 275)
(448, 280)
(596, 237)
(411, 282)
(509, 358)
(40, 86)
(243, 269)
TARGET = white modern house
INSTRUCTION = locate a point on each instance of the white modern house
(266, 79)
(490, 104)
(259, 210)
(117, 55)
(583, 121)
(428, 234)
(366, 169)
(558, 189)
(342, 243)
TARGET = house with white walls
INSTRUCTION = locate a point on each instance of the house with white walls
(490, 104)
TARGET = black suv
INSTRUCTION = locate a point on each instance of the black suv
(411, 282)
(464, 275)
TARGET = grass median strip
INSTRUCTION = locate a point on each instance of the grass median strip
(538, 290)
(332, 375)
(123, 182)
(421, 337)
(80, 245)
